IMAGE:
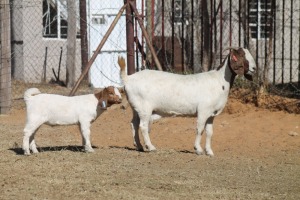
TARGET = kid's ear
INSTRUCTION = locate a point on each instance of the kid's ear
(98, 95)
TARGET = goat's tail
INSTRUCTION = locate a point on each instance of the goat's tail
(122, 64)
(31, 92)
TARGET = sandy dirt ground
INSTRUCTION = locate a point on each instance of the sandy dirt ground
(257, 156)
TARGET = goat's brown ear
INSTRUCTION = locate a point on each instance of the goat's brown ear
(237, 61)
(102, 100)
(98, 95)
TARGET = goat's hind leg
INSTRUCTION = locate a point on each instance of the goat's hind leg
(209, 133)
(135, 122)
(144, 126)
(28, 138)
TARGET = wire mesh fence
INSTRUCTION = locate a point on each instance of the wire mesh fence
(203, 29)
(189, 36)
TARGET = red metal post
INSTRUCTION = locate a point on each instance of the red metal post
(83, 35)
(173, 35)
(152, 28)
(142, 42)
(163, 32)
(221, 31)
(130, 38)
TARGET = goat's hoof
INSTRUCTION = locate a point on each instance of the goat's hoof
(89, 150)
(198, 151)
(150, 148)
(35, 151)
(138, 147)
(209, 153)
(27, 153)
(153, 150)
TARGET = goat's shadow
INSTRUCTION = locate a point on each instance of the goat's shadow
(125, 148)
(186, 151)
(144, 151)
(77, 148)
(73, 148)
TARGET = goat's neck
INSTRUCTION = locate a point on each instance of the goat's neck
(227, 72)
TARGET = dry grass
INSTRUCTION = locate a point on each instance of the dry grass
(255, 158)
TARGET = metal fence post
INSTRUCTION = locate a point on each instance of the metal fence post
(130, 38)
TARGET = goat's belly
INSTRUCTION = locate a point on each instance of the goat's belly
(62, 121)
(175, 112)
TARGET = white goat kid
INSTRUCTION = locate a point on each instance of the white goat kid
(55, 109)
(205, 95)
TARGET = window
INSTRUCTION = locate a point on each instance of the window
(260, 18)
(180, 9)
(55, 16)
(98, 19)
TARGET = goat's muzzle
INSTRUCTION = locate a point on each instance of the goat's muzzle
(114, 100)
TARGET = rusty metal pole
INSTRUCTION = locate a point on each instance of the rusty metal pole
(83, 34)
(151, 38)
(130, 37)
(146, 36)
(163, 32)
(89, 64)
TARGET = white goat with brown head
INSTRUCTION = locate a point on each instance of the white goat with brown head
(204, 95)
(55, 109)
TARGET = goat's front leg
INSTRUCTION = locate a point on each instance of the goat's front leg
(85, 131)
(135, 122)
(199, 133)
(200, 127)
(209, 133)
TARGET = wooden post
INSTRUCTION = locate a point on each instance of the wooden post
(71, 43)
(5, 56)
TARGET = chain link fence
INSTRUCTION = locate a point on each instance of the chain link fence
(189, 36)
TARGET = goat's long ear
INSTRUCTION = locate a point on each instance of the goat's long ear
(102, 99)
(237, 59)
(98, 95)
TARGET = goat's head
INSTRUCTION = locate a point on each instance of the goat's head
(242, 62)
(108, 96)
